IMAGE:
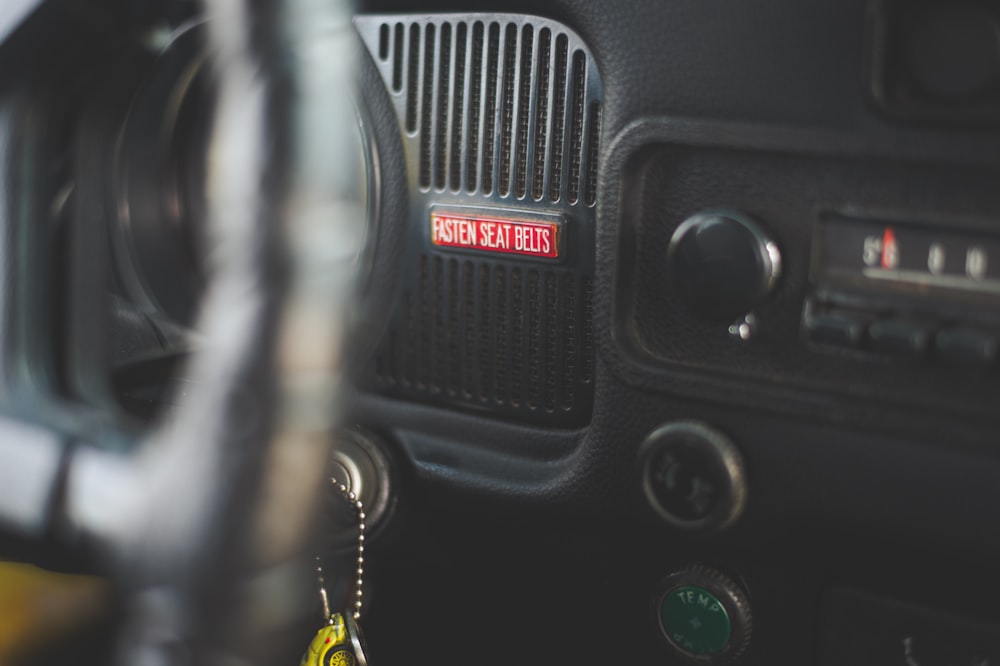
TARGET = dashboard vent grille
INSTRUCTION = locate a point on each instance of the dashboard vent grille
(498, 114)
(492, 335)
(494, 74)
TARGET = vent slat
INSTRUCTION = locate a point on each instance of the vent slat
(439, 358)
(569, 341)
(476, 110)
(487, 333)
(445, 94)
(468, 316)
(559, 113)
(423, 336)
(427, 106)
(552, 326)
(516, 335)
(576, 127)
(543, 105)
(383, 42)
(535, 313)
(507, 108)
(397, 58)
(413, 78)
(461, 96)
(524, 125)
(502, 340)
(490, 114)
(454, 351)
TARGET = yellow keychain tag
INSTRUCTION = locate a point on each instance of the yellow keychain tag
(339, 643)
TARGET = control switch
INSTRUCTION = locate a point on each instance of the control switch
(704, 615)
(966, 346)
(693, 476)
(899, 336)
(723, 264)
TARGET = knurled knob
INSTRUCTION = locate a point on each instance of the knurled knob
(703, 615)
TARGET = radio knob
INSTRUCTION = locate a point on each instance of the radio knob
(723, 264)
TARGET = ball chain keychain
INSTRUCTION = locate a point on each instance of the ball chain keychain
(340, 642)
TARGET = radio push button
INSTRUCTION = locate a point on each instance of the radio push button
(899, 336)
(841, 328)
(967, 346)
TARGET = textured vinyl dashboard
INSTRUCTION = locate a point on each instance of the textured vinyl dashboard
(870, 461)
(699, 111)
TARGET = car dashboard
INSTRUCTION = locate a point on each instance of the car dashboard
(678, 321)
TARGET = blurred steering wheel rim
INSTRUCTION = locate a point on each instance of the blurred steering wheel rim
(206, 526)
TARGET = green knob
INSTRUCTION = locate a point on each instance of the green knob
(704, 615)
(695, 620)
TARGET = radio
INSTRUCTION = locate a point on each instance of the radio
(905, 289)
(804, 280)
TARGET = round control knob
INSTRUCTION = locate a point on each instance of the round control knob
(723, 264)
(693, 476)
(703, 615)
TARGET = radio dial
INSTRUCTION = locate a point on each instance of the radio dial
(723, 264)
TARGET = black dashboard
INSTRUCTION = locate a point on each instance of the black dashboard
(846, 373)
(675, 311)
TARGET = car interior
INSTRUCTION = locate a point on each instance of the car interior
(543, 332)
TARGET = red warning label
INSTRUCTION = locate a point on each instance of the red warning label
(536, 239)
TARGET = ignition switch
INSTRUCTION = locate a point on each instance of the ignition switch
(360, 463)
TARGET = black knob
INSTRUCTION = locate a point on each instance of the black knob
(704, 615)
(723, 264)
(693, 476)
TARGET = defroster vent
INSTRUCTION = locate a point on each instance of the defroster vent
(498, 113)
(527, 83)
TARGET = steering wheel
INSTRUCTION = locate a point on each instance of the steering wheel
(205, 524)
